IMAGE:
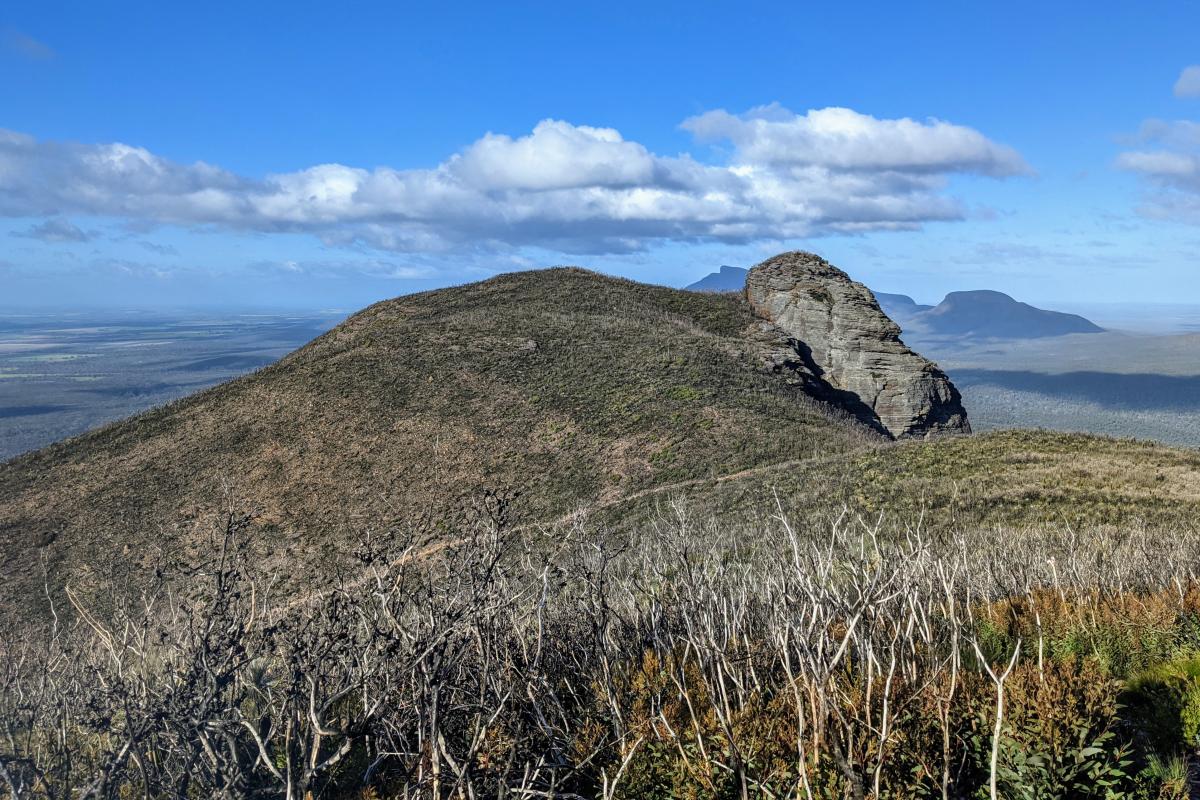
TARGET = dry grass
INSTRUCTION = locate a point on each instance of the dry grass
(575, 387)
(689, 660)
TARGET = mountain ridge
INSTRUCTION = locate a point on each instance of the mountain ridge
(977, 313)
(571, 386)
(989, 313)
(725, 279)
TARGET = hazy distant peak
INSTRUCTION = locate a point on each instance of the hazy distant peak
(980, 296)
(899, 299)
(726, 279)
(901, 304)
(988, 313)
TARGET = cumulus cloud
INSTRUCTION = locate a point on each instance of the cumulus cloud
(56, 230)
(557, 155)
(1188, 84)
(1168, 160)
(842, 139)
(1179, 170)
(565, 187)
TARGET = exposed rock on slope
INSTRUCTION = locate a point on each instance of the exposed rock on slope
(845, 340)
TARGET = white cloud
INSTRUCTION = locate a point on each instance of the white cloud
(842, 139)
(1169, 162)
(1188, 84)
(1180, 170)
(557, 155)
(563, 187)
(161, 249)
(371, 268)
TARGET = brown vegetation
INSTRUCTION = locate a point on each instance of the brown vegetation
(709, 586)
(842, 660)
(573, 386)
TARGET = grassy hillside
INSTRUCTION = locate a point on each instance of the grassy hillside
(573, 389)
(746, 609)
(570, 387)
(1012, 478)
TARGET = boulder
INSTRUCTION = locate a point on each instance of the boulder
(844, 339)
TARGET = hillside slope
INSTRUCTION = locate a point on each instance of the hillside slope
(573, 389)
(567, 386)
(1003, 480)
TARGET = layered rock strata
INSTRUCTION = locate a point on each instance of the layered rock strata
(843, 340)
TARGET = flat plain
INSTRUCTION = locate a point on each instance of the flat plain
(62, 374)
(1138, 385)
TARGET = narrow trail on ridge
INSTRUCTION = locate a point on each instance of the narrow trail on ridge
(415, 554)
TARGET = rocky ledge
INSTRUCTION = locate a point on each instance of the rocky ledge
(851, 350)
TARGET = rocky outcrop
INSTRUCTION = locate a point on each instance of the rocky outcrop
(844, 341)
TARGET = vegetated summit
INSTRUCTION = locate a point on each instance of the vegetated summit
(630, 654)
(568, 386)
(575, 390)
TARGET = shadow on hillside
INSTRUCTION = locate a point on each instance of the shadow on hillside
(241, 363)
(30, 411)
(1143, 392)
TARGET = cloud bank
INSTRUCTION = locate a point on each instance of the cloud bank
(570, 188)
(1170, 164)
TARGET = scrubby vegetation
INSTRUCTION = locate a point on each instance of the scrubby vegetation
(716, 587)
(576, 387)
(1009, 479)
(848, 658)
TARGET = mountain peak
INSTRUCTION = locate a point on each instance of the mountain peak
(988, 313)
(576, 387)
(726, 279)
(978, 295)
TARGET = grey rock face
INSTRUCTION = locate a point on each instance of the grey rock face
(846, 341)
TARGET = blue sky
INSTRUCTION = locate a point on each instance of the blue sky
(306, 154)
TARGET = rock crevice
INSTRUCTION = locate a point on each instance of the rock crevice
(851, 349)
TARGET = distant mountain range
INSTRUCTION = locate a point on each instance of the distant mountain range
(979, 314)
(899, 305)
(727, 279)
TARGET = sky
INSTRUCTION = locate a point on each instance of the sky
(320, 155)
